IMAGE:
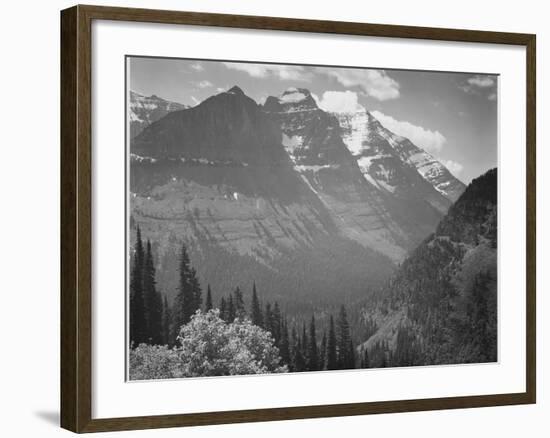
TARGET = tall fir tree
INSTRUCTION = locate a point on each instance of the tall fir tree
(152, 300)
(255, 308)
(332, 358)
(304, 344)
(323, 352)
(138, 322)
(231, 314)
(188, 297)
(166, 323)
(313, 354)
(297, 360)
(284, 344)
(267, 318)
(238, 303)
(208, 304)
(276, 324)
(365, 362)
(197, 292)
(223, 310)
(345, 347)
(351, 354)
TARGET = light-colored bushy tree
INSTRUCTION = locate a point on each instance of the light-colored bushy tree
(211, 347)
(208, 346)
(153, 362)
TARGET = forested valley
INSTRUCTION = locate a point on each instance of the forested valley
(440, 307)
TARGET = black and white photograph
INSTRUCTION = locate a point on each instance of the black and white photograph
(285, 218)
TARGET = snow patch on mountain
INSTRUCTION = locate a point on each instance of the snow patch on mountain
(373, 145)
(141, 159)
(292, 142)
(355, 131)
(314, 168)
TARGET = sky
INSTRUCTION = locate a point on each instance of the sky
(453, 116)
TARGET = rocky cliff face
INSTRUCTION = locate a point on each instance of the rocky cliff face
(219, 178)
(395, 165)
(145, 110)
(380, 200)
(277, 194)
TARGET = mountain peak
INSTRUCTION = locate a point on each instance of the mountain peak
(291, 100)
(236, 90)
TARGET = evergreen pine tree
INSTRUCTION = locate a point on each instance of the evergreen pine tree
(313, 355)
(208, 304)
(351, 354)
(160, 306)
(196, 290)
(305, 345)
(238, 303)
(276, 324)
(284, 344)
(332, 358)
(344, 347)
(223, 310)
(298, 363)
(256, 310)
(166, 321)
(184, 304)
(365, 362)
(137, 306)
(323, 352)
(267, 318)
(231, 315)
(152, 300)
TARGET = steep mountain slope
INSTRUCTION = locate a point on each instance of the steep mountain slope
(441, 305)
(394, 164)
(217, 177)
(145, 110)
(368, 208)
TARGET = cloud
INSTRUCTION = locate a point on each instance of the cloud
(204, 84)
(195, 100)
(476, 84)
(284, 72)
(431, 141)
(374, 83)
(481, 81)
(454, 167)
(197, 66)
(338, 101)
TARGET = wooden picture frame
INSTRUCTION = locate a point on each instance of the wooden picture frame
(76, 218)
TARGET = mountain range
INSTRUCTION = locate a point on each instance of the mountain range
(145, 110)
(310, 205)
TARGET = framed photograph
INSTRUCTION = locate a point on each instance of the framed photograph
(270, 218)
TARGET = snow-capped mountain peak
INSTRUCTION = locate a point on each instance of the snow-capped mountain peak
(393, 163)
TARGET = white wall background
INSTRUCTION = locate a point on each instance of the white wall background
(29, 173)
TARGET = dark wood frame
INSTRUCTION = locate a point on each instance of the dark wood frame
(76, 225)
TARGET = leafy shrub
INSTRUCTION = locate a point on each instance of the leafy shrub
(208, 346)
(153, 362)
